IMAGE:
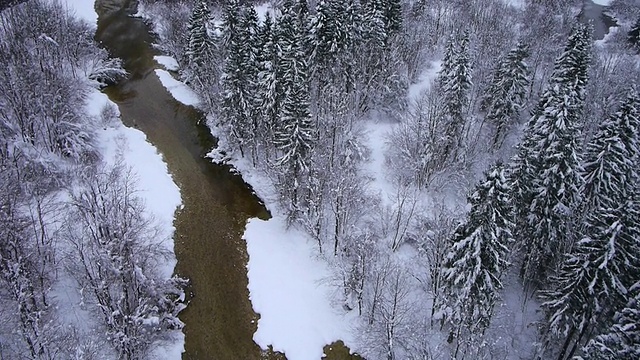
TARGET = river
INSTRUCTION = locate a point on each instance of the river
(208, 240)
(596, 15)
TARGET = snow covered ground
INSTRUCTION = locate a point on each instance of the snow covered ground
(603, 2)
(288, 288)
(167, 62)
(178, 90)
(156, 186)
(84, 9)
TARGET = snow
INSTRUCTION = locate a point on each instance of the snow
(377, 135)
(263, 11)
(289, 289)
(84, 9)
(425, 80)
(603, 2)
(167, 62)
(518, 4)
(178, 90)
(156, 187)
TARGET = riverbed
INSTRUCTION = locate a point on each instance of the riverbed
(219, 319)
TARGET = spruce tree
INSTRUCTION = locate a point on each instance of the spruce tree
(634, 35)
(296, 134)
(270, 91)
(622, 340)
(593, 281)
(200, 45)
(239, 74)
(611, 159)
(505, 95)
(546, 172)
(478, 256)
(455, 84)
(393, 15)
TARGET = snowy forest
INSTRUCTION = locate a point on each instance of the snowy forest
(467, 168)
(72, 227)
(509, 180)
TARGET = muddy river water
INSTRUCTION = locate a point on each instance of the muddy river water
(219, 319)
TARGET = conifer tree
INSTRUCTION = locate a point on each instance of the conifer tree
(505, 95)
(622, 340)
(296, 134)
(546, 172)
(455, 84)
(478, 256)
(239, 74)
(634, 35)
(200, 45)
(611, 159)
(269, 81)
(592, 283)
(393, 15)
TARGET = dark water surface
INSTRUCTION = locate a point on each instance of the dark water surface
(219, 319)
(597, 16)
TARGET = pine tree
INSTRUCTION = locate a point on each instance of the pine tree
(505, 95)
(389, 12)
(546, 172)
(269, 81)
(593, 281)
(622, 340)
(478, 256)
(240, 74)
(296, 134)
(634, 35)
(455, 83)
(611, 158)
(200, 46)
(331, 40)
(393, 15)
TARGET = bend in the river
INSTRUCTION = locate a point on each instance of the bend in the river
(208, 240)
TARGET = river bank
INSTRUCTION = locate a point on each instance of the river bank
(216, 204)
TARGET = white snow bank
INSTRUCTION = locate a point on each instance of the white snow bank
(155, 186)
(289, 289)
(167, 62)
(603, 2)
(84, 9)
(178, 90)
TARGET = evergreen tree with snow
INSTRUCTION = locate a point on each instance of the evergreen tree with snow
(505, 96)
(593, 281)
(478, 256)
(269, 85)
(611, 159)
(200, 45)
(393, 15)
(295, 134)
(634, 35)
(622, 340)
(454, 82)
(238, 110)
(546, 171)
